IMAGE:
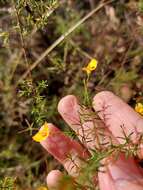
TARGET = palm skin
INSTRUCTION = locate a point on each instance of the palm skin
(122, 174)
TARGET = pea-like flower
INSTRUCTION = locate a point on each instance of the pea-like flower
(42, 134)
(91, 66)
(139, 108)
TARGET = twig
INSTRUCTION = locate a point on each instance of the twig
(61, 38)
(22, 39)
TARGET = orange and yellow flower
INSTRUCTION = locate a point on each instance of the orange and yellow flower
(42, 134)
(139, 108)
(91, 66)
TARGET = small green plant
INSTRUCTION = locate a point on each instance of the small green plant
(7, 183)
(34, 13)
(39, 107)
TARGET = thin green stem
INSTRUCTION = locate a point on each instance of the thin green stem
(86, 93)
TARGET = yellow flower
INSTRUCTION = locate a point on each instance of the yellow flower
(42, 188)
(139, 108)
(42, 134)
(91, 66)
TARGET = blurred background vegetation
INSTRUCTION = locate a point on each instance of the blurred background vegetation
(113, 35)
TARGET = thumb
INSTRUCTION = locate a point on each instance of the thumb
(56, 180)
(53, 179)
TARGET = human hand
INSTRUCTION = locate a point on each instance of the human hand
(122, 174)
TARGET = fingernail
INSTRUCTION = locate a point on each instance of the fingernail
(69, 109)
(67, 103)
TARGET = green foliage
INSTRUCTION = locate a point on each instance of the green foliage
(39, 108)
(34, 13)
(5, 37)
(140, 5)
(7, 183)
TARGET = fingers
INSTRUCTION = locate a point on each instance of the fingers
(118, 116)
(53, 179)
(67, 151)
(83, 122)
(121, 174)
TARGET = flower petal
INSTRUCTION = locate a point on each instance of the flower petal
(91, 66)
(42, 134)
(139, 108)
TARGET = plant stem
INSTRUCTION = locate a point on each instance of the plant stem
(86, 94)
